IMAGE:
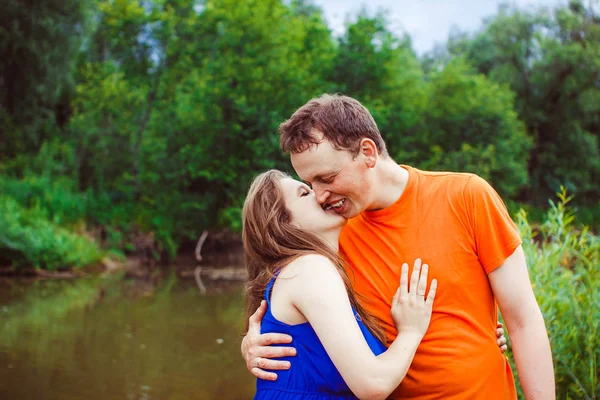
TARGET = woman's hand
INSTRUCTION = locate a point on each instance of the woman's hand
(411, 310)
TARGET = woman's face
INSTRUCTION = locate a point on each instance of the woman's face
(306, 212)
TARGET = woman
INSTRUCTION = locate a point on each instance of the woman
(291, 246)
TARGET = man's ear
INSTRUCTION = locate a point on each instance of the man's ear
(368, 149)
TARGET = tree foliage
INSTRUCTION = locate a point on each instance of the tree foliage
(158, 113)
(39, 44)
(551, 60)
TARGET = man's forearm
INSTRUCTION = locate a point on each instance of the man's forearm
(533, 356)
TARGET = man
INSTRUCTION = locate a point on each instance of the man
(455, 222)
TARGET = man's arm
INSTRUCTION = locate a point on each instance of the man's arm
(257, 349)
(525, 323)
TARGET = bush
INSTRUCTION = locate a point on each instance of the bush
(56, 196)
(564, 266)
(28, 237)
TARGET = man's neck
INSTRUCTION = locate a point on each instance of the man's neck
(390, 182)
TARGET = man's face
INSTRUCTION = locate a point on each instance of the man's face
(339, 180)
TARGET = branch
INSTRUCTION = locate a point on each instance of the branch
(199, 245)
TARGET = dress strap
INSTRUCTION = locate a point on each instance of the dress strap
(269, 288)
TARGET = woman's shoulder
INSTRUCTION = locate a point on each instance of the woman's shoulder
(308, 268)
(308, 264)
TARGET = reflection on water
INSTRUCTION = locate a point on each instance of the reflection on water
(105, 338)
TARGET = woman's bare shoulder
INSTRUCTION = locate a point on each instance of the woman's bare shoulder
(307, 270)
(309, 265)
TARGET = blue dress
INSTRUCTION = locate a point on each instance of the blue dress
(312, 375)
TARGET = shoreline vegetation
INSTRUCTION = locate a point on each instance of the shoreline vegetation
(142, 254)
(34, 244)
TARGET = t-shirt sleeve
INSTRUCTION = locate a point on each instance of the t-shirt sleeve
(495, 234)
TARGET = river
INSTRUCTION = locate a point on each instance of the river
(113, 338)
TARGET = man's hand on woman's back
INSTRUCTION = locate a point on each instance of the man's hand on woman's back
(257, 349)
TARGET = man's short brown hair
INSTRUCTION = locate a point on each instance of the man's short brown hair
(343, 121)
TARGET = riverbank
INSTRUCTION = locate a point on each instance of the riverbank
(133, 269)
(220, 256)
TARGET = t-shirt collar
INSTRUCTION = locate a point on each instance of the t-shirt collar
(400, 205)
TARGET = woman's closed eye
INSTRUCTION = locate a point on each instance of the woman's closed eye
(304, 193)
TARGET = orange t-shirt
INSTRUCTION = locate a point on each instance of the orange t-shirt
(457, 224)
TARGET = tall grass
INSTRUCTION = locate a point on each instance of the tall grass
(564, 266)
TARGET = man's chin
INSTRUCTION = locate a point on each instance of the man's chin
(348, 214)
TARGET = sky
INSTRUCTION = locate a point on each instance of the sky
(426, 21)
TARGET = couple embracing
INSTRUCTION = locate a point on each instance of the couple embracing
(334, 309)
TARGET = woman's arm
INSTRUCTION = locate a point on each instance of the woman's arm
(318, 292)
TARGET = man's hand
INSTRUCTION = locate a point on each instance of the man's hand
(501, 339)
(257, 349)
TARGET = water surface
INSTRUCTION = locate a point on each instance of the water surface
(109, 338)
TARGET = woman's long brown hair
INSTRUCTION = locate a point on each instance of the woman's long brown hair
(271, 241)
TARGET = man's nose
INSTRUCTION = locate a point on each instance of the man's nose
(321, 195)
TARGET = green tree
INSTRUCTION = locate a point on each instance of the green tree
(551, 60)
(469, 125)
(38, 46)
(241, 69)
(178, 103)
(383, 72)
